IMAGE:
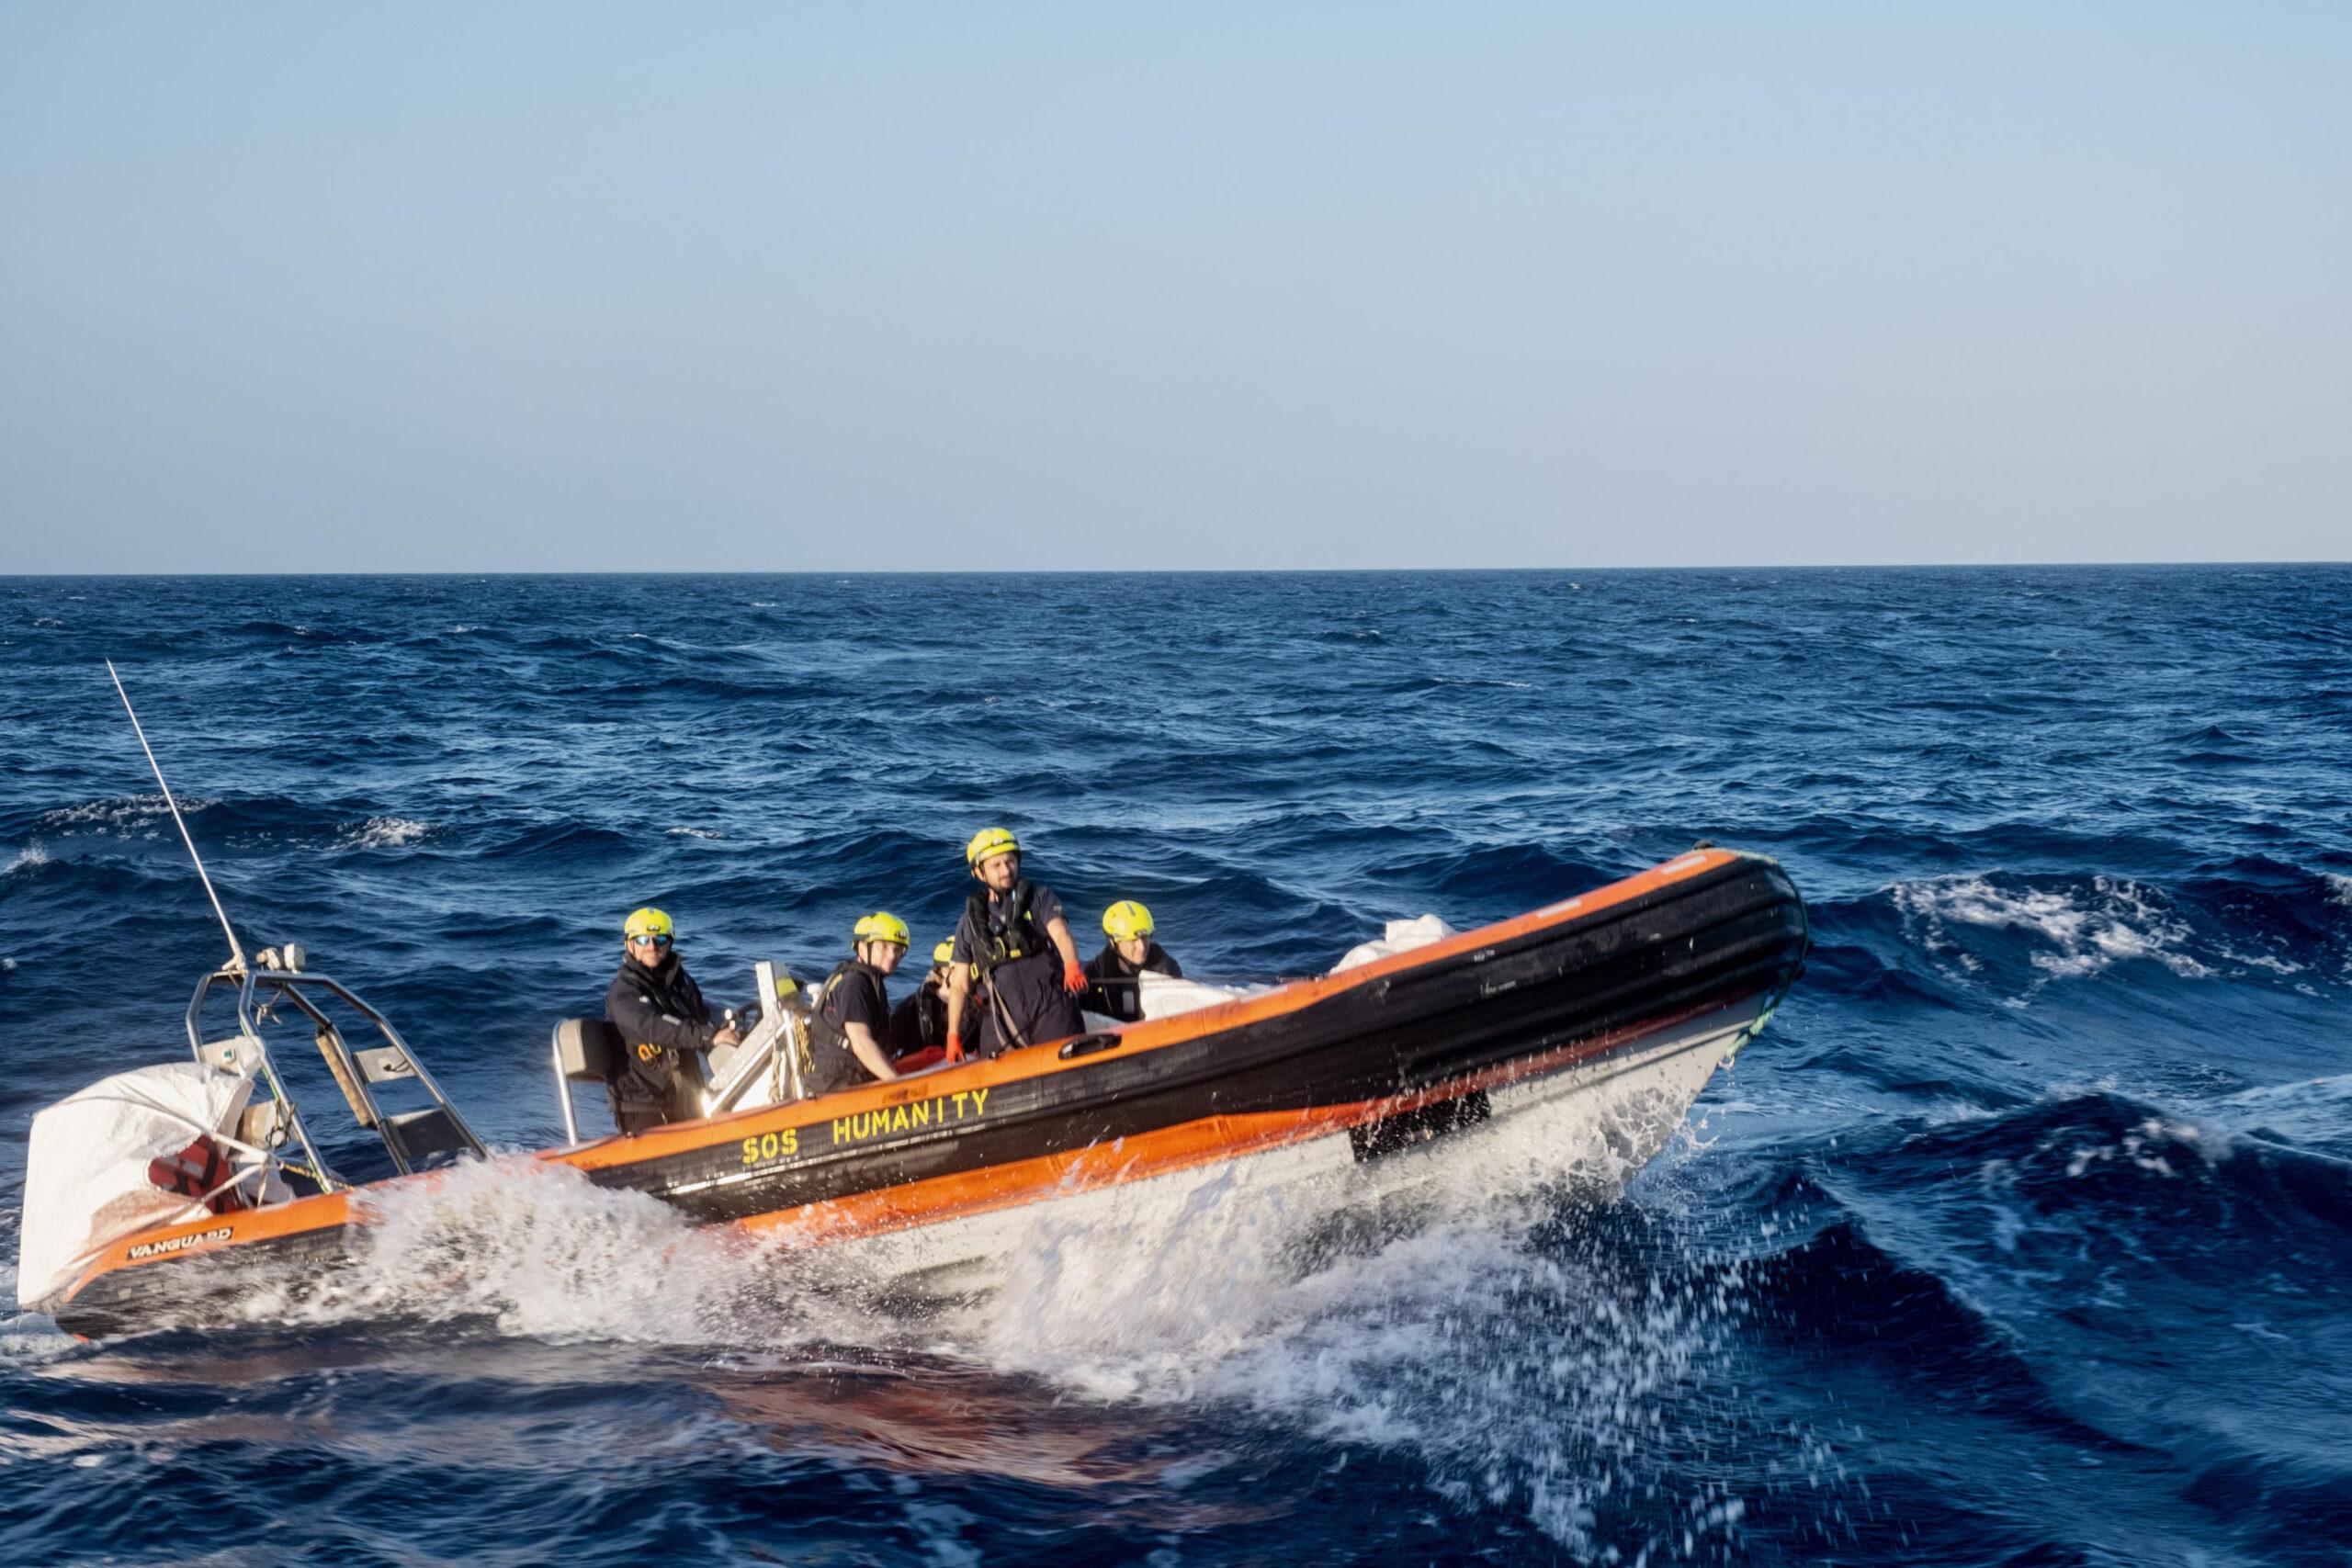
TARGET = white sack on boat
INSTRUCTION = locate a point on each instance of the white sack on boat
(85, 1164)
(1402, 936)
(1164, 997)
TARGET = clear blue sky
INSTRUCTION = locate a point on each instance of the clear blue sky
(498, 286)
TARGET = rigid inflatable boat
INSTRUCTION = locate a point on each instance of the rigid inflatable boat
(152, 1196)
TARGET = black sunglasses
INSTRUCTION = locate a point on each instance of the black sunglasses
(650, 941)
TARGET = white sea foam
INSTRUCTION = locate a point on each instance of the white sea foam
(1431, 1307)
(692, 833)
(2342, 884)
(125, 815)
(2315, 1114)
(2151, 1145)
(540, 1250)
(25, 859)
(382, 833)
(2114, 921)
(28, 1336)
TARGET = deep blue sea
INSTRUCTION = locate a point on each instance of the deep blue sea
(2024, 1235)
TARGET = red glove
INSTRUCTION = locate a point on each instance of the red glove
(1073, 977)
(955, 1048)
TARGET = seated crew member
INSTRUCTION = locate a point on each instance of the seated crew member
(1116, 991)
(849, 1027)
(663, 1022)
(1003, 958)
(919, 1023)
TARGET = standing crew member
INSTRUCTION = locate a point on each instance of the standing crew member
(663, 1022)
(1130, 951)
(850, 1025)
(1006, 945)
(919, 1023)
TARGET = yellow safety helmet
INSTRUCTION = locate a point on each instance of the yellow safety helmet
(1125, 920)
(989, 842)
(648, 921)
(881, 926)
(945, 952)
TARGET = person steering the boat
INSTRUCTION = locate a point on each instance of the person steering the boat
(1004, 951)
(850, 1025)
(1115, 991)
(665, 1025)
(919, 1024)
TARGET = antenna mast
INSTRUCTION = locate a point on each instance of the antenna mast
(236, 954)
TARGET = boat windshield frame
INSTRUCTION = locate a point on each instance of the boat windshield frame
(345, 1064)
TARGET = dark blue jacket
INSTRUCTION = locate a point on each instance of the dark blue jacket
(1115, 991)
(663, 1022)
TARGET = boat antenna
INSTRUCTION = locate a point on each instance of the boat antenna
(236, 954)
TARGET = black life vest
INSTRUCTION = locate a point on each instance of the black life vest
(832, 1065)
(651, 1077)
(919, 1023)
(1015, 935)
(1114, 990)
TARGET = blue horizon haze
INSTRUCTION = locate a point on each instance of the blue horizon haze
(531, 288)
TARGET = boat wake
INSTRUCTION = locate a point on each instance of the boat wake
(1489, 1312)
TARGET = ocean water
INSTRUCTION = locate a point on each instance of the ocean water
(2023, 1236)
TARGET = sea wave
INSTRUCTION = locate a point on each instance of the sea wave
(2020, 1235)
(2082, 929)
(1219, 1289)
(119, 815)
(383, 833)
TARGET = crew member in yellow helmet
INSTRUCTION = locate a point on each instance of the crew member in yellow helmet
(664, 1026)
(1114, 989)
(1007, 948)
(919, 1024)
(849, 1026)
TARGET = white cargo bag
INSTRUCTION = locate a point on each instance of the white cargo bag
(86, 1164)
(1402, 936)
(1164, 995)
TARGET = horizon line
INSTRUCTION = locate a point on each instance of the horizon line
(1198, 572)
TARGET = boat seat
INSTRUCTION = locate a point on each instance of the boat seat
(418, 1134)
(385, 1063)
(589, 1048)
